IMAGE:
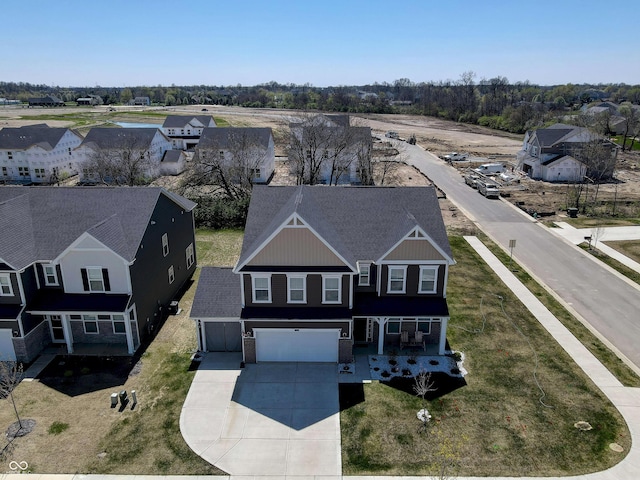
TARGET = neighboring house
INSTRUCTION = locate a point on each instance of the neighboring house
(246, 148)
(123, 145)
(37, 153)
(141, 101)
(549, 153)
(607, 116)
(48, 101)
(324, 269)
(329, 149)
(185, 131)
(90, 100)
(173, 162)
(90, 268)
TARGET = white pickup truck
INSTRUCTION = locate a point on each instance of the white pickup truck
(488, 188)
(455, 157)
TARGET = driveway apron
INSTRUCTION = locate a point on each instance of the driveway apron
(266, 418)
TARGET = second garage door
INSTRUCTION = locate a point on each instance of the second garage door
(296, 345)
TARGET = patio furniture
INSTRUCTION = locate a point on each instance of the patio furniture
(417, 340)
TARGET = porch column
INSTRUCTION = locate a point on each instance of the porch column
(66, 330)
(128, 332)
(381, 323)
(443, 335)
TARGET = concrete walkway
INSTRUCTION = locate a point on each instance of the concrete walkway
(609, 234)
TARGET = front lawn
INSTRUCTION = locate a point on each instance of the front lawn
(516, 414)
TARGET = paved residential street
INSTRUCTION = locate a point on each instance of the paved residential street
(607, 302)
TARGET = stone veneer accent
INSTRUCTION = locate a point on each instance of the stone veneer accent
(30, 346)
(105, 334)
(249, 348)
(345, 350)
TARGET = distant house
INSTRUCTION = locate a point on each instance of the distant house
(325, 269)
(549, 154)
(173, 162)
(340, 153)
(48, 101)
(90, 100)
(90, 269)
(141, 101)
(123, 145)
(37, 153)
(185, 130)
(607, 116)
(250, 149)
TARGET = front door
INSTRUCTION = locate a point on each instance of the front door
(362, 330)
(57, 331)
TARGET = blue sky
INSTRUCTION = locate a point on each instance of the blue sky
(327, 42)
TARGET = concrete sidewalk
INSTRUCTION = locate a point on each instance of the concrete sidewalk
(609, 234)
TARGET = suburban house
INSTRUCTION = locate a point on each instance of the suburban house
(325, 269)
(328, 147)
(126, 145)
(92, 269)
(607, 116)
(185, 131)
(249, 149)
(146, 101)
(90, 100)
(37, 153)
(48, 101)
(549, 154)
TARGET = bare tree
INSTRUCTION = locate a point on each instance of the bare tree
(596, 234)
(631, 117)
(10, 378)
(600, 157)
(127, 162)
(228, 163)
(422, 386)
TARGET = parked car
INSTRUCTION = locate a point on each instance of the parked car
(455, 157)
(490, 168)
(488, 188)
(471, 180)
(393, 135)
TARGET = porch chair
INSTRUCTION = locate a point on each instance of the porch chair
(404, 338)
(419, 340)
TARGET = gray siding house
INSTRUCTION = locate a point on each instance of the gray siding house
(324, 269)
(91, 269)
(185, 130)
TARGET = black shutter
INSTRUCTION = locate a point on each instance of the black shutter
(85, 279)
(105, 277)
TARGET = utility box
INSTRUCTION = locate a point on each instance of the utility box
(114, 400)
(572, 212)
(173, 308)
(123, 397)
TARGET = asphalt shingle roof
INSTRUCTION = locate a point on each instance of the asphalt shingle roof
(39, 223)
(217, 295)
(219, 137)
(361, 223)
(181, 121)
(106, 138)
(24, 137)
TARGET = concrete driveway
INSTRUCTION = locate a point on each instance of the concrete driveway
(264, 419)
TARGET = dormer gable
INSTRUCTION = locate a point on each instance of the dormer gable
(416, 245)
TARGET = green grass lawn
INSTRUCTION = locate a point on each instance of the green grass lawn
(501, 423)
(593, 222)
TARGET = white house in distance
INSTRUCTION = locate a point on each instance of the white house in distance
(254, 148)
(547, 153)
(185, 131)
(37, 153)
(150, 142)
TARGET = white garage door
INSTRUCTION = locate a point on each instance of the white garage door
(296, 345)
(6, 345)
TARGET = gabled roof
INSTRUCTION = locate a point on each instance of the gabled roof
(173, 156)
(39, 223)
(25, 137)
(359, 223)
(181, 121)
(107, 138)
(219, 137)
(560, 133)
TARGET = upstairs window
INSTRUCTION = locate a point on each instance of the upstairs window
(296, 288)
(397, 279)
(165, 245)
(331, 291)
(95, 279)
(50, 275)
(190, 256)
(172, 274)
(5, 285)
(261, 289)
(428, 279)
(363, 274)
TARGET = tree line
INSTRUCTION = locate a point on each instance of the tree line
(492, 102)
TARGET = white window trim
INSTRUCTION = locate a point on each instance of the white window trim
(190, 255)
(113, 325)
(94, 320)
(404, 279)
(165, 245)
(304, 288)
(360, 274)
(253, 288)
(8, 278)
(394, 320)
(424, 268)
(55, 282)
(324, 289)
(99, 269)
(172, 274)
